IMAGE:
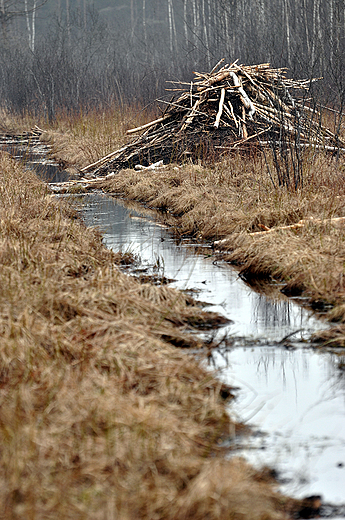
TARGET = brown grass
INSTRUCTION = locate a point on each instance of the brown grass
(228, 199)
(80, 140)
(100, 415)
(235, 197)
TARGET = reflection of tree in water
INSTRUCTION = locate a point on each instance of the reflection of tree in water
(272, 313)
(340, 366)
(281, 362)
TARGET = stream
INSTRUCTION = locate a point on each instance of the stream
(291, 395)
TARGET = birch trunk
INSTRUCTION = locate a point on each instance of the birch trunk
(132, 17)
(3, 20)
(207, 45)
(305, 19)
(172, 27)
(144, 23)
(331, 25)
(59, 11)
(194, 21)
(27, 18)
(185, 22)
(171, 34)
(315, 31)
(287, 31)
(31, 26)
(68, 22)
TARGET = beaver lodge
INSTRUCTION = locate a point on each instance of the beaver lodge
(233, 106)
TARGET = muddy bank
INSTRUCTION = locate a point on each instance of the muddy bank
(100, 413)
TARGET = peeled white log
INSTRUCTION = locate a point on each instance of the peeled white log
(148, 125)
(220, 109)
(244, 97)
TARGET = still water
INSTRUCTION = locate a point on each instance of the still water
(293, 398)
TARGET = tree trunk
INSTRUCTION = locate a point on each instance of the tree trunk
(171, 30)
(33, 27)
(185, 23)
(59, 15)
(27, 18)
(144, 23)
(207, 44)
(194, 21)
(287, 31)
(132, 17)
(68, 22)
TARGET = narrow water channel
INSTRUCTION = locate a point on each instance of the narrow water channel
(294, 397)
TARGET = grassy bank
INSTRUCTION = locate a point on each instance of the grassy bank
(234, 200)
(101, 416)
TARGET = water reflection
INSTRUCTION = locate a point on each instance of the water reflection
(252, 314)
(272, 313)
(33, 155)
(299, 400)
(295, 396)
(295, 399)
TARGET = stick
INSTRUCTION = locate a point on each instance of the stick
(307, 145)
(216, 66)
(148, 125)
(102, 160)
(181, 107)
(238, 143)
(191, 115)
(220, 109)
(300, 224)
(233, 113)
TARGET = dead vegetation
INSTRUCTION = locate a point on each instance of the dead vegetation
(100, 415)
(229, 108)
(232, 203)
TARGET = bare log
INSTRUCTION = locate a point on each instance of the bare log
(148, 125)
(220, 109)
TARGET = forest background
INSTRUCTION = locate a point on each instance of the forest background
(73, 55)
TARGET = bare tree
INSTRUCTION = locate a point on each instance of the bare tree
(11, 9)
(31, 24)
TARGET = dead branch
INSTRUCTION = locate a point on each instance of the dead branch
(300, 224)
(230, 106)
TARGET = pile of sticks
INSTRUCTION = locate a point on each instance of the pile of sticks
(231, 107)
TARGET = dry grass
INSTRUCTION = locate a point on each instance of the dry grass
(101, 417)
(232, 198)
(80, 140)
